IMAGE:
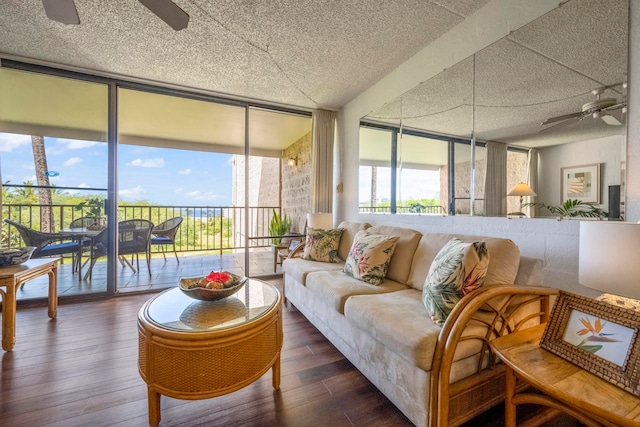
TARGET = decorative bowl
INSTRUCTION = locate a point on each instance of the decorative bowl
(15, 256)
(189, 286)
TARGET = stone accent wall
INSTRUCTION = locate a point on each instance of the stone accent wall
(296, 182)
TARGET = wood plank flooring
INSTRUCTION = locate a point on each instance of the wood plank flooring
(81, 370)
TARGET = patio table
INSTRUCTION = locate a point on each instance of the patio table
(80, 234)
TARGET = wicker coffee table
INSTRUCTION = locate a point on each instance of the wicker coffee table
(190, 349)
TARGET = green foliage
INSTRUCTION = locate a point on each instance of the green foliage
(279, 226)
(573, 208)
(93, 205)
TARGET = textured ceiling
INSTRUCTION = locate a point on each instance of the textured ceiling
(546, 69)
(304, 53)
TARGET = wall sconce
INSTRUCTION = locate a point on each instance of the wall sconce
(293, 161)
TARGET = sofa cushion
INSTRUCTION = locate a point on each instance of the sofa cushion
(369, 256)
(299, 268)
(458, 269)
(350, 230)
(503, 268)
(408, 240)
(335, 287)
(322, 244)
(400, 322)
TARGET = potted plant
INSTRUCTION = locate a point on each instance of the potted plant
(279, 226)
(573, 208)
(95, 207)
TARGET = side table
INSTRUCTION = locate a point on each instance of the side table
(14, 276)
(561, 385)
(190, 349)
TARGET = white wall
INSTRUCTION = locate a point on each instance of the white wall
(555, 242)
(606, 151)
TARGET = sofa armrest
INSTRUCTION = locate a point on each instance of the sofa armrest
(504, 319)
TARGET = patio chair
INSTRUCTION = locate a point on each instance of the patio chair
(82, 222)
(134, 238)
(165, 234)
(46, 244)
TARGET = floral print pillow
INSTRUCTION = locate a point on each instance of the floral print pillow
(458, 269)
(369, 257)
(322, 245)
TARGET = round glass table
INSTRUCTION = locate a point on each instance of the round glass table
(191, 349)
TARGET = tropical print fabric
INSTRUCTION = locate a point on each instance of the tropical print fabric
(458, 269)
(322, 245)
(369, 257)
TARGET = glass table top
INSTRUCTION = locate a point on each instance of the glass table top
(174, 310)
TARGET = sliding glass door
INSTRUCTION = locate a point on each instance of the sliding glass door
(54, 165)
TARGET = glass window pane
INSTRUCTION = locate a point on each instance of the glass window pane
(375, 170)
(421, 173)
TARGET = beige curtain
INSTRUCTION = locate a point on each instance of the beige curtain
(495, 185)
(533, 179)
(323, 131)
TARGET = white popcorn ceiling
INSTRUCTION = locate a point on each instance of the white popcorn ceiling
(545, 69)
(301, 53)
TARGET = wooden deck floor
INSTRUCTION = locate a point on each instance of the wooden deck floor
(164, 274)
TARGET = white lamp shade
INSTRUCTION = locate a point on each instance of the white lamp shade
(320, 220)
(521, 189)
(609, 259)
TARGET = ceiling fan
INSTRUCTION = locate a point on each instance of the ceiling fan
(65, 11)
(600, 108)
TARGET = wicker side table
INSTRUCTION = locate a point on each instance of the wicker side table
(191, 349)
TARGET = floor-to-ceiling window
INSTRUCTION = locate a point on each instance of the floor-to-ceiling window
(172, 155)
(54, 167)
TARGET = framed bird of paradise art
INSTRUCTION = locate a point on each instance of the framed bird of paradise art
(597, 336)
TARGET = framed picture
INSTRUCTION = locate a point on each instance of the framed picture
(581, 183)
(599, 337)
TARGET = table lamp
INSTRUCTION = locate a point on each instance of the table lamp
(609, 260)
(320, 220)
(521, 190)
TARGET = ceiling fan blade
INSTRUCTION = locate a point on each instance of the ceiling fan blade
(615, 107)
(560, 118)
(566, 122)
(610, 120)
(63, 11)
(169, 12)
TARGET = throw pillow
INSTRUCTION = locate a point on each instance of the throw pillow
(322, 245)
(369, 257)
(458, 269)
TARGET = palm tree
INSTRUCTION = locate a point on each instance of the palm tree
(44, 194)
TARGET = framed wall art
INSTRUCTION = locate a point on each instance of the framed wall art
(599, 337)
(581, 183)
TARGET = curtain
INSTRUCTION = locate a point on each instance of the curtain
(322, 136)
(495, 186)
(533, 179)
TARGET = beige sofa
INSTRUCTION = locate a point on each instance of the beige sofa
(435, 375)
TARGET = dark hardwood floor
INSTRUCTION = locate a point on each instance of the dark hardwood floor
(81, 370)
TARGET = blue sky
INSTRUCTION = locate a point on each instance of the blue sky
(159, 175)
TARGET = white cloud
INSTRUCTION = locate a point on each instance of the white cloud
(72, 161)
(206, 196)
(72, 192)
(186, 171)
(133, 193)
(179, 190)
(63, 145)
(11, 141)
(147, 163)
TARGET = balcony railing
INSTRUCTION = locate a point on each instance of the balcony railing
(417, 209)
(204, 228)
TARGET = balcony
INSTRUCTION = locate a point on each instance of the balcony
(209, 238)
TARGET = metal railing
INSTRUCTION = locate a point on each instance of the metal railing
(416, 209)
(204, 228)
